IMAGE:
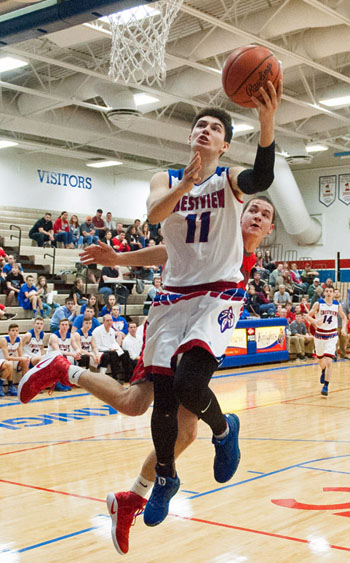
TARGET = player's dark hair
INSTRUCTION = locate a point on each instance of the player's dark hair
(12, 325)
(63, 321)
(220, 114)
(261, 198)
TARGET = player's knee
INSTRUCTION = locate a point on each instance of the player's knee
(187, 435)
(187, 394)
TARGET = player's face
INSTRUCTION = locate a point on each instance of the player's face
(13, 332)
(257, 219)
(39, 325)
(132, 329)
(64, 326)
(209, 133)
(115, 311)
(87, 325)
(329, 293)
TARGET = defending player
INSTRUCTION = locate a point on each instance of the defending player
(324, 317)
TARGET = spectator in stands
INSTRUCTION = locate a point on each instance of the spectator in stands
(61, 341)
(108, 238)
(107, 308)
(29, 298)
(132, 343)
(42, 231)
(288, 283)
(304, 305)
(99, 224)
(290, 315)
(268, 263)
(91, 302)
(152, 292)
(14, 281)
(252, 304)
(61, 230)
(342, 339)
(120, 244)
(11, 260)
(108, 276)
(137, 225)
(146, 233)
(299, 286)
(276, 276)
(112, 353)
(312, 287)
(308, 274)
(3, 254)
(120, 324)
(85, 343)
(12, 350)
(298, 329)
(46, 296)
(74, 228)
(266, 305)
(88, 314)
(88, 233)
(2, 281)
(257, 282)
(328, 283)
(281, 297)
(119, 228)
(110, 224)
(318, 294)
(33, 342)
(6, 372)
(67, 311)
(4, 315)
(77, 292)
(133, 238)
(259, 267)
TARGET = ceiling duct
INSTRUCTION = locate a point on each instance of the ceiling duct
(294, 150)
(121, 103)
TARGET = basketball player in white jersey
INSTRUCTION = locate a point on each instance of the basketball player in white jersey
(324, 317)
(33, 342)
(11, 351)
(85, 344)
(60, 341)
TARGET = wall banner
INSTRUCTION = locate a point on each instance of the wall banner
(344, 188)
(327, 189)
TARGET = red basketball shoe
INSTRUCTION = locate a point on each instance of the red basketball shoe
(123, 509)
(53, 368)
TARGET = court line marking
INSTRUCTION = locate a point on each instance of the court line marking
(50, 490)
(43, 400)
(324, 404)
(327, 470)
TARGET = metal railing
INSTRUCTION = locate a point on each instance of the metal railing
(17, 236)
(53, 256)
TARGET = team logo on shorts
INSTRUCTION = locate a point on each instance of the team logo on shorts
(226, 319)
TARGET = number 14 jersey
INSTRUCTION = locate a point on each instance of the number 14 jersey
(327, 318)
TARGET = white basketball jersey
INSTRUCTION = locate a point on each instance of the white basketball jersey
(11, 348)
(203, 234)
(85, 341)
(327, 318)
(34, 346)
(64, 345)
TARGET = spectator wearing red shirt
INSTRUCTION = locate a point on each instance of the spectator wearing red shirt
(290, 316)
(62, 232)
(99, 224)
(120, 244)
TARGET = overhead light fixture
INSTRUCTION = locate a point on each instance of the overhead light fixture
(11, 63)
(336, 101)
(137, 13)
(4, 144)
(240, 127)
(316, 147)
(104, 163)
(141, 99)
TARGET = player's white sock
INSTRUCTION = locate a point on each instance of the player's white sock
(74, 372)
(141, 486)
(223, 435)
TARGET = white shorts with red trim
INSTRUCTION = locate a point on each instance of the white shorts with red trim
(178, 322)
(326, 346)
(2, 360)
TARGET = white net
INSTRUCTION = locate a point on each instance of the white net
(139, 37)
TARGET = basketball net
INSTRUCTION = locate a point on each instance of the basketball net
(139, 36)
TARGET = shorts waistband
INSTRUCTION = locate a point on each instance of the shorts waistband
(212, 286)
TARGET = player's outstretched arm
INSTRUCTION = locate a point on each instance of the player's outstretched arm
(104, 254)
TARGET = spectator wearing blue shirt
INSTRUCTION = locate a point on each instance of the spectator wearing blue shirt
(29, 298)
(88, 314)
(120, 324)
(67, 311)
(11, 260)
(92, 302)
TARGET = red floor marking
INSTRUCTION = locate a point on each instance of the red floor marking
(49, 490)
(76, 440)
(324, 404)
(314, 395)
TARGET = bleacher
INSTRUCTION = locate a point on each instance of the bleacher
(15, 224)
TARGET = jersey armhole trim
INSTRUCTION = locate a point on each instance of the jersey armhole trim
(233, 191)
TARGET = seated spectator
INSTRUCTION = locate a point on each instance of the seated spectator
(298, 285)
(108, 276)
(304, 305)
(4, 315)
(11, 351)
(107, 308)
(110, 224)
(133, 238)
(99, 224)
(308, 274)
(3, 254)
(268, 263)
(91, 302)
(77, 292)
(6, 372)
(74, 228)
(302, 343)
(62, 342)
(88, 314)
(120, 244)
(290, 315)
(42, 231)
(88, 233)
(152, 292)
(276, 276)
(318, 294)
(259, 267)
(328, 283)
(14, 281)
(281, 297)
(11, 260)
(67, 311)
(137, 224)
(120, 324)
(85, 343)
(146, 234)
(257, 282)
(29, 298)
(266, 305)
(111, 353)
(312, 287)
(132, 343)
(33, 342)
(2, 281)
(119, 228)
(108, 238)
(61, 230)
(288, 283)
(252, 303)
(46, 297)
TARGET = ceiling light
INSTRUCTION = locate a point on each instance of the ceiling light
(142, 99)
(137, 13)
(240, 127)
(316, 148)
(5, 144)
(10, 63)
(104, 163)
(336, 101)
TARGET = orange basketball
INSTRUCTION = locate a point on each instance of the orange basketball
(245, 70)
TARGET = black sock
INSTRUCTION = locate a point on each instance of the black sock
(164, 424)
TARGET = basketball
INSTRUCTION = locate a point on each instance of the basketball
(245, 70)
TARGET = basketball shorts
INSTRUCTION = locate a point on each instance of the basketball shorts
(177, 323)
(326, 346)
(2, 360)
